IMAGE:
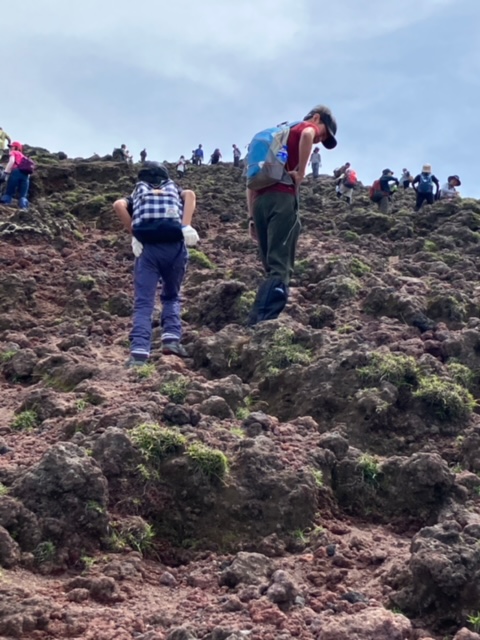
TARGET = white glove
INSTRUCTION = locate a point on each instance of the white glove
(190, 235)
(137, 247)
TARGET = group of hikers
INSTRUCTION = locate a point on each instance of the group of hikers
(425, 184)
(158, 214)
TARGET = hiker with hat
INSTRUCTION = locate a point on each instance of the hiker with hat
(341, 170)
(449, 189)
(381, 190)
(423, 185)
(17, 176)
(158, 214)
(274, 173)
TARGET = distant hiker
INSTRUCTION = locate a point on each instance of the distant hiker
(274, 175)
(198, 155)
(4, 137)
(181, 166)
(423, 185)
(406, 178)
(381, 190)
(121, 154)
(338, 172)
(346, 183)
(143, 156)
(449, 189)
(316, 162)
(17, 172)
(237, 154)
(215, 157)
(159, 215)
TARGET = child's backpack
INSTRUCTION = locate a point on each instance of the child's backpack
(157, 213)
(426, 183)
(350, 180)
(267, 156)
(26, 165)
(375, 192)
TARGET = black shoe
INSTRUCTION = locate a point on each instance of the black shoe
(174, 349)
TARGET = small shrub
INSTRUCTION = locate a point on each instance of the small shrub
(318, 475)
(359, 268)
(283, 352)
(302, 267)
(176, 390)
(86, 281)
(242, 412)
(157, 442)
(388, 367)
(87, 562)
(351, 236)
(210, 462)
(198, 257)
(135, 533)
(25, 421)
(81, 405)
(3, 490)
(244, 304)
(145, 371)
(369, 467)
(448, 400)
(6, 356)
(474, 620)
(44, 552)
(461, 374)
(430, 246)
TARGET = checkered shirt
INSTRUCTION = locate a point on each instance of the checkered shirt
(149, 204)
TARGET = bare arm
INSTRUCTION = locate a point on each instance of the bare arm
(190, 201)
(11, 162)
(120, 208)
(304, 152)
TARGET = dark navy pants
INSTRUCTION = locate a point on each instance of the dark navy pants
(163, 264)
(17, 186)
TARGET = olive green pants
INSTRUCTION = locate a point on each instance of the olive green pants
(278, 226)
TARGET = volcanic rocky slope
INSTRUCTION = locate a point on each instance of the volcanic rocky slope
(315, 477)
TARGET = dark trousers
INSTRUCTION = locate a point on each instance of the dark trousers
(278, 226)
(236, 161)
(163, 264)
(423, 197)
(406, 184)
(315, 169)
(17, 186)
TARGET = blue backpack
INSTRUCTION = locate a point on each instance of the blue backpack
(267, 156)
(426, 183)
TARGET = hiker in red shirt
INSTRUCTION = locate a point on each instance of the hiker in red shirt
(17, 173)
(273, 211)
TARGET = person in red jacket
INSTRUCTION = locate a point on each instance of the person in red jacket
(273, 213)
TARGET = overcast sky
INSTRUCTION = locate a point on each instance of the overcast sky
(401, 78)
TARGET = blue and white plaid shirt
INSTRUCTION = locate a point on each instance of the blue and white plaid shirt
(156, 203)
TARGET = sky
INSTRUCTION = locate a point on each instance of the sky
(402, 79)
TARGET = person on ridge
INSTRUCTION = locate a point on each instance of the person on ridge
(198, 155)
(158, 214)
(17, 175)
(316, 162)
(406, 178)
(423, 185)
(384, 193)
(143, 156)
(449, 189)
(273, 210)
(215, 157)
(237, 154)
(338, 172)
(4, 137)
(346, 183)
(181, 166)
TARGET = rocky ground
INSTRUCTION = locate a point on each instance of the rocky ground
(316, 477)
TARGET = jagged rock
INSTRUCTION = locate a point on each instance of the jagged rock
(102, 589)
(68, 493)
(282, 591)
(466, 634)
(374, 623)
(114, 452)
(45, 403)
(9, 550)
(181, 633)
(246, 568)
(21, 523)
(440, 583)
(217, 407)
(21, 365)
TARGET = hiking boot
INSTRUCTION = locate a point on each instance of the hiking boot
(174, 349)
(135, 362)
